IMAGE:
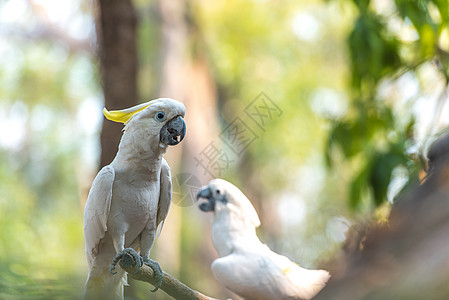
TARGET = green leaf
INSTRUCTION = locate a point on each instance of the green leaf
(348, 136)
(373, 53)
(443, 8)
(358, 186)
(380, 175)
(428, 40)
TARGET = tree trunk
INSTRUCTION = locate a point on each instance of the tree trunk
(408, 257)
(116, 32)
(186, 76)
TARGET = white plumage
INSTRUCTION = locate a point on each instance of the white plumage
(246, 266)
(130, 197)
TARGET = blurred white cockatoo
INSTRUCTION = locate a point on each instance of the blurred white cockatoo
(245, 265)
(130, 197)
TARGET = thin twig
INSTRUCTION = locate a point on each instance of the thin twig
(170, 285)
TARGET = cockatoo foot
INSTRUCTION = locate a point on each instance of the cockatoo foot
(157, 272)
(137, 261)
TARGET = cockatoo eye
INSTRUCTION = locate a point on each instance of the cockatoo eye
(160, 116)
(219, 195)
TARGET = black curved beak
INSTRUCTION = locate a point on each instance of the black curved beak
(173, 132)
(206, 193)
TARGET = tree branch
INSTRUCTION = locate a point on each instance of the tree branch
(170, 285)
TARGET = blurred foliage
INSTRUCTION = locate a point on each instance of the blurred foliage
(378, 52)
(322, 62)
(294, 52)
(43, 86)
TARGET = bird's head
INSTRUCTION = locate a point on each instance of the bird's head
(160, 118)
(222, 197)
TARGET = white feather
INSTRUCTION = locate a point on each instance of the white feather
(97, 210)
(128, 199)
(248, 267)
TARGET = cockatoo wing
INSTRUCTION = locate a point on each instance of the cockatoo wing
(165, 194)
(295, 280)
(249, 276)
(263, 274)
(97, 210)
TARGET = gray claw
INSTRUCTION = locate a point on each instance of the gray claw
(137, 260)
(157, 272)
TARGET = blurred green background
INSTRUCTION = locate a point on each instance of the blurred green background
(358, 91)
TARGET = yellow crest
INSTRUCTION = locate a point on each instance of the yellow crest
(124, 115)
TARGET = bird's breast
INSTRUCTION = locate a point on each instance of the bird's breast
(136, 203)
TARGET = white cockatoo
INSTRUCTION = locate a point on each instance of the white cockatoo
(130, 197)
(245, 265)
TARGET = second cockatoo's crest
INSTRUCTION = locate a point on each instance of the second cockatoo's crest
(125, 115)
(239, 199)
